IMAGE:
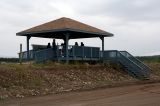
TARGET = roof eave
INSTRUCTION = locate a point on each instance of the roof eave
(105, 34)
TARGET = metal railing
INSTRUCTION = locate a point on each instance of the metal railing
(144, 67)
(24, 55)
(43, 55)
(74, 53)
(135, 67)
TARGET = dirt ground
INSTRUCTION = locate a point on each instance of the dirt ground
(133, 95)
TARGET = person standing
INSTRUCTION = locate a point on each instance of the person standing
(48, 46)
(54, 43)
(82, 44)
(76, 43)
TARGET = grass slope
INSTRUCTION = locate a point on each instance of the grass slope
(40, 79)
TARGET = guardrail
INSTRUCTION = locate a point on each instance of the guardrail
(75, 53)
(31, 54)
(134, 66)
(145, 68)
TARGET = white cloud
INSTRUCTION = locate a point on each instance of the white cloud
(135, 23)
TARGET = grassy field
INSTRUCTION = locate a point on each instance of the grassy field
(150, 59)
(154, 63)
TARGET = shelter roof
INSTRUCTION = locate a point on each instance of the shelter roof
(59, 27)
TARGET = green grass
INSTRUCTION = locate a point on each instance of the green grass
(150, 59)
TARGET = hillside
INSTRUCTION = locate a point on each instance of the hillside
(41, 79)
(18, 81)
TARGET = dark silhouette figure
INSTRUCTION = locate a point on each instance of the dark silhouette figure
(49, 45)
(82, 44)
(76, 43)
(54, 43)
(63, 48)
(62, 44)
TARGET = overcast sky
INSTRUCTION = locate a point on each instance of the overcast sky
(134, 23)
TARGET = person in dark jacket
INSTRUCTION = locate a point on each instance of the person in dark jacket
(76, 43)
(49, 45)
(82, 44)
(54, 43)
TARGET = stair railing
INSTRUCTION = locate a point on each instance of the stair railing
(146, 69)
(134, 68)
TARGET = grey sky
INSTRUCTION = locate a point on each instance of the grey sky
(135, 23)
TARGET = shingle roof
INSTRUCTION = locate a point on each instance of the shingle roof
(64, 24)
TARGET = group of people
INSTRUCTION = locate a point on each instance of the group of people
(54, 44)
(76, 44)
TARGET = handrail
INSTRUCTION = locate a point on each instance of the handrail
(43, 50)
(117, 52)
(134, 58)
(129, 60)
(74, 52)
(138, 70)
(145, 66)
(26, 51)
(140, 61)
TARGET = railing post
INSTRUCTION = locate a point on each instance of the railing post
(56, 53)
(116, 55)
(83, 51)
(91, 53)
(20, 55)
(73, 50)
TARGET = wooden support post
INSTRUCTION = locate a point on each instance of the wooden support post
(28, 56)
(102, 38)
(66, 42)
(20, 54)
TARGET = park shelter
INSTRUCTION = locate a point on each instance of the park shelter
(66, 29)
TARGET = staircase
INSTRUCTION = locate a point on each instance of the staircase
(132, 65)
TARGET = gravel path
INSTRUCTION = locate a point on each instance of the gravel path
(135, 95)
